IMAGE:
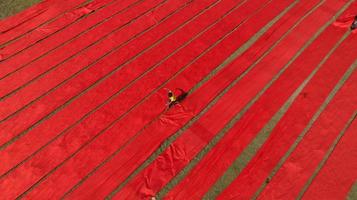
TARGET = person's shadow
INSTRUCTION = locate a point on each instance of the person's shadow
(179, 98)
(354, 24)
(182, 96)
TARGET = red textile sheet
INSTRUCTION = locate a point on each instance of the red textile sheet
(33, 70)
(298, 168)
(126, 159)
(37, 54)
(104, 112)
(170, 162)
(83, 87)
(230, 146)
(130, 125)
(339, 174)
(287, 184)
(345, 21)
(296, 118)
(23, 23)
(10, 127)
(65, 119)
(45, 31)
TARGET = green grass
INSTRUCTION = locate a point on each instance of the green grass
(11, 7)
(353, 192)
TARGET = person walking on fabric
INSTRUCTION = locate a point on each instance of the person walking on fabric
(173, 99)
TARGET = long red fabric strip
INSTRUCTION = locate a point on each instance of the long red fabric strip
(51, 61)
(45, 12)
(144, 109)
(93, 24)
(131, 120)
(279, 142)
(10, 127)
(297, 117)
(64, 119)
(83, 88)
(339, 174)
(58, 77)
(196, 182)
(45, 31)
(124, 160)
(97, 127)
(345, 21)
(302, 162)
(170, 162)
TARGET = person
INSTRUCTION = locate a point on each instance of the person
(172, 99)
(354, 24)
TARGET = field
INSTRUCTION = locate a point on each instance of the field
(270, 111)
(11, 7)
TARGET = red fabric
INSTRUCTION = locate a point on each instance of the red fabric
(196, 183)
(84, 125)
(298, 168)
(102, 119)
(170, 162)
(146, 112)
(34, 55)
(65, 118)
(339, 174)
(47, 30)
(11, 128)
(25, 22)
(300, 165)
(136, 152)
(60, 122)
(52, 60)
(45, 83)
(345, 21)
(296, 118)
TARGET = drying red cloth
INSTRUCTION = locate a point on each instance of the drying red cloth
(45, 31)
(10, 127)
(82, 99)
(186, 147)
(55, 44)
(87, 40)
(28, 21)
(121, 106)
(288, 185)
(339, 174)
(65, 118)
(197, 100)
(300, 165)
(147, 140)
(345, 21)
(196, 183)
(296, 118)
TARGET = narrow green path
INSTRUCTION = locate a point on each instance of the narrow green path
(353, 192)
